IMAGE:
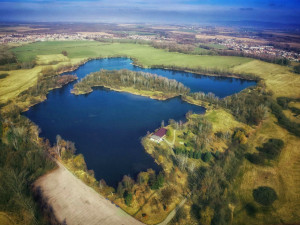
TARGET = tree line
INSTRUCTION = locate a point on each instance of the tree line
(249, 106)
(210, 71)
(190, 49)
(9, 61)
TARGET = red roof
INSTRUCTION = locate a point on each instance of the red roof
(161, 132)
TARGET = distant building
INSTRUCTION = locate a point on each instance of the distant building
(158, 135)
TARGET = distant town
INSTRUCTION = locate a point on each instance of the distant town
(247, 45)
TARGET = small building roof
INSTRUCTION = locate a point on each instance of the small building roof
(161, 132)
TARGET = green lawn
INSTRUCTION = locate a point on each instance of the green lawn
(200, 51)
(216, 46)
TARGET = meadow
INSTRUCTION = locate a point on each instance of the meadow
(144, 54)
(283, 175)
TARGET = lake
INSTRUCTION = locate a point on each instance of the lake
(107, 126)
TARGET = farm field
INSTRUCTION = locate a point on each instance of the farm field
(144, 54)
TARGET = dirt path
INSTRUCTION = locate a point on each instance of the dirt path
(173, 142)
(76, 203)
(172, 213)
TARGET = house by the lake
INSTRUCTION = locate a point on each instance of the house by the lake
(158, 135)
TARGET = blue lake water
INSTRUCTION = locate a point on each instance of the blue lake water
(107, 126)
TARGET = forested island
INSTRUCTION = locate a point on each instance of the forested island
(145, 84)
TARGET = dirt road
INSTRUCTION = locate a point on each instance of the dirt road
(76, 203)
(172, 213)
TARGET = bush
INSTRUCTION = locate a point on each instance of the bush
(251, 209)
(168, 133)
(297, 69)
(127, 198)
(283, 102)
(284, 121)
(272, 148)
(157, 182)
(264, 195)
(255, 158)
(206, 156)
(3, 75)
(64, 52)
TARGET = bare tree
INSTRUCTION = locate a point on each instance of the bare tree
(192, 167)
(58, 147)
(182, 161)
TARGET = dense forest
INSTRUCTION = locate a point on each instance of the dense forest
(23, 154)
(22, 160)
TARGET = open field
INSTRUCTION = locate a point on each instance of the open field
(20, 80)
(17, 81)
(222, 120)
(294, 104)
(279, 79)
(5, 219)
(76, 203)
(51, 59)
(283, 176)
(292, 116)
(144, 54)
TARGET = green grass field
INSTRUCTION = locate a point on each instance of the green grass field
(145, 54)
(215, 46)
(51, 59)
(279, 79)
(200, 51)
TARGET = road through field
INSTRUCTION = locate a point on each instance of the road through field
(76, 203)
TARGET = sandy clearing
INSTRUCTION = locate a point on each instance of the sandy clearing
(76, 203)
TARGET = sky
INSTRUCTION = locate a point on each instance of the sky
(151, 11)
